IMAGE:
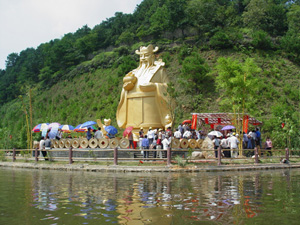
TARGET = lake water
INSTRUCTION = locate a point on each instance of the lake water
(59, 197)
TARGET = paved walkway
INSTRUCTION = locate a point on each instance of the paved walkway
(173, 168)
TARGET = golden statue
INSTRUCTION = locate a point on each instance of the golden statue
(143, 101)
(106, 123)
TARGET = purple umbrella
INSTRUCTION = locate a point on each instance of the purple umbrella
(55, 124)
(228, 127)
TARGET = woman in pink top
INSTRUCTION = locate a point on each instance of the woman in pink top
(268, 145)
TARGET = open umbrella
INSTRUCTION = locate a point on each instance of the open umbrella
(187, 121)
(79, 128)
(66, 128)
(40, 127)
(88, 123)
(228, 127)
(215, 133)
(54, 130)
(55, 124)
(111, 130)
(127, 131)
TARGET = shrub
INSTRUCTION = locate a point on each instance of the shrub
(261, 40)
(220, 41)
(126, 64)
(184, 52)
(194, 73)
(166, 57)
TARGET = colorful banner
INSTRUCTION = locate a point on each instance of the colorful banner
(245, 123)
(194, 122)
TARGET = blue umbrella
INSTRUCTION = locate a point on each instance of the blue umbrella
(88, 123)
(111, 130)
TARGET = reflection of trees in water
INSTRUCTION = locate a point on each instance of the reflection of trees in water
(148, 198)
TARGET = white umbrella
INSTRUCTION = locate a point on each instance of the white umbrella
(215, 133)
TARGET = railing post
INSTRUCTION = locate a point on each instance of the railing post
(219, 156)
(14, 155)
(70, 155)
(115, 156)
(36, 155)
(256, 154)
(287, 154)
(168, 156)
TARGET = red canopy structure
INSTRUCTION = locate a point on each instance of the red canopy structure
(215, 119)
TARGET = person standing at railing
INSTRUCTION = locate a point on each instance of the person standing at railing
(269, 146)
(47, 147)
(130, 139)
(180, 129)
(89, 134)
(216, 142)
(42, 146)
(177, 134)
(187, 134)
(145, 145)
(233, 144)
(245, 140)
(253, 138)
(150, 135)
(166, 143)
(98, 134)
(141, 136)
(258, 137)
(224, 145)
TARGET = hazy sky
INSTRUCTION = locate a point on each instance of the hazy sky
(28, 23)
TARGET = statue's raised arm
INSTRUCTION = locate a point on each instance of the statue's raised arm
(143, 101)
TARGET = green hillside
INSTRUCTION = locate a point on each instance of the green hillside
(79, 77)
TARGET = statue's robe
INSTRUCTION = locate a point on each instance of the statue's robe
(146, 109)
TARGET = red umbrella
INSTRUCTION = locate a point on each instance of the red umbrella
(187, 121)
(127, 131)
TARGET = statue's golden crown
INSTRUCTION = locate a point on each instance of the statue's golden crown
(148, 49)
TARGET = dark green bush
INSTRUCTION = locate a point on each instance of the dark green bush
(220, 41)
(126, 64)
(261, 40)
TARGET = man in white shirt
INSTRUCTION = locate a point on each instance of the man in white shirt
(177, 134)
(150, 135)
(224, 145)
(187, 134)
(166, 143)
(233, 144)
(42, 147)
(98, 134)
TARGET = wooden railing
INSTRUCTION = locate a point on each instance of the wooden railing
(257, 154)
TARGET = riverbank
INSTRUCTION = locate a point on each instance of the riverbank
(174, 168)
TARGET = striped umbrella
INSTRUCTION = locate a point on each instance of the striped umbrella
(66, 128)
(40, 127)
(81, 129)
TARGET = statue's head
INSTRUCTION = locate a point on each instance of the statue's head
(147, 54)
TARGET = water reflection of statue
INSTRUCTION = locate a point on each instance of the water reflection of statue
(143, 100)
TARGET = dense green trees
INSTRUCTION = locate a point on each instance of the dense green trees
(219, 22)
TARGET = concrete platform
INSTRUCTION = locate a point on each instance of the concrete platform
(146, 169)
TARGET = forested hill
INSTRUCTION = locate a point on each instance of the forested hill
(79, 77)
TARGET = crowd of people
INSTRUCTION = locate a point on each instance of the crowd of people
(157, 139)
(160, 139)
